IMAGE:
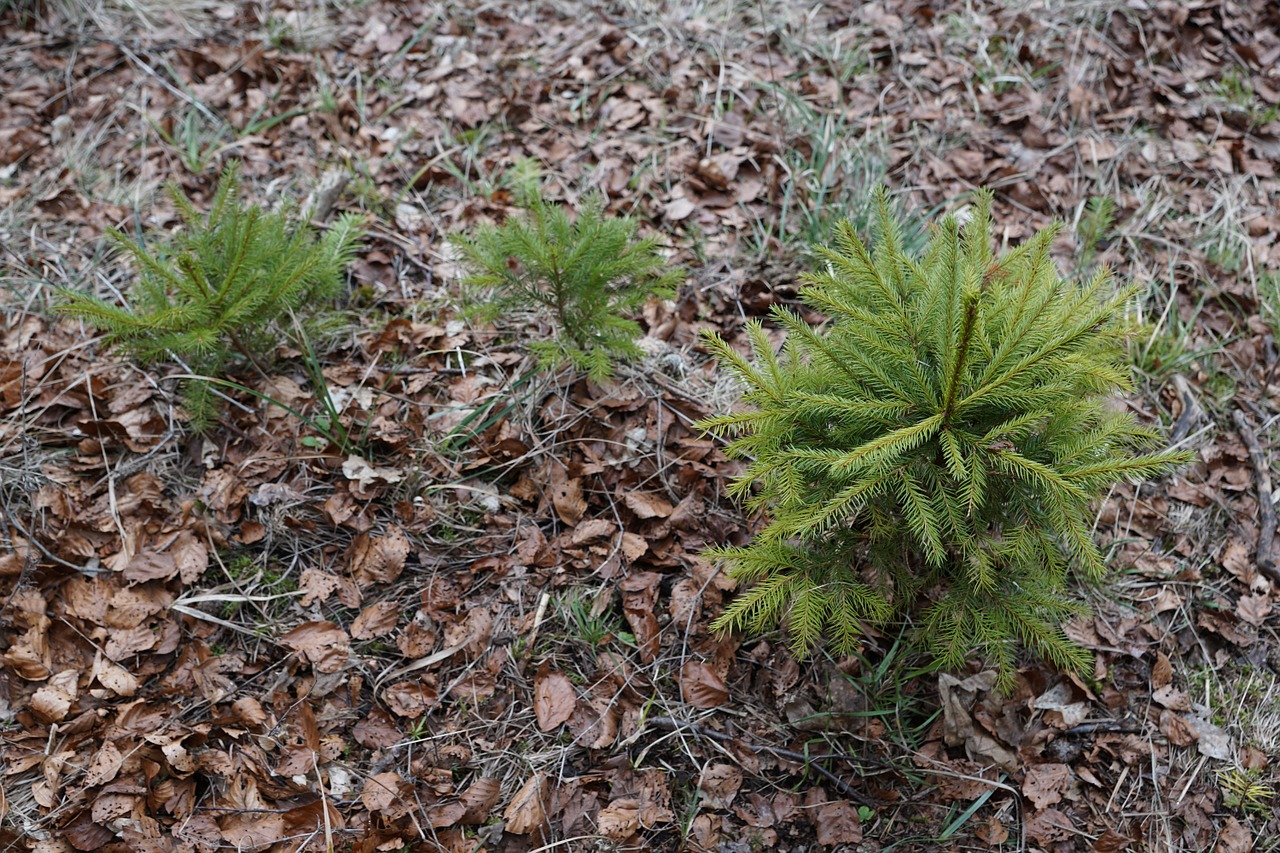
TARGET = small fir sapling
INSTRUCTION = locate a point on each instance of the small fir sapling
(934, 450)
(587, 274)
(224, 287)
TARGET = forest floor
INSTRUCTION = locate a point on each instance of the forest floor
(486, 626)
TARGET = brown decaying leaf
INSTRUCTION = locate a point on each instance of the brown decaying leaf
(719, 784)
(639, 598)
(1044, 784)
(554, 699)
(323, 644)
(376, 620)
(527, 811)
(701, 686)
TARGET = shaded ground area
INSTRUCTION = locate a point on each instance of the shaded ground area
(487, 628)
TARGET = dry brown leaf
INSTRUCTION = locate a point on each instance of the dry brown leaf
(1178, 731)
(566, 495)
(639, 598)
(1045, 784)
(1254, 609)
(527, 811)
(316, 585)
(323, 644)
(719, 784)
(834, 822)
(1234, 838)
(115, 678)
(479, 799)
(620, 819)
(376, 620)
(1161, 671)
(53, 701)
(648, 505)
(410, 698)
(385, 792)
(191, 556)
(1110, 842)
(553, 699)
(104, 766)
(701, 686)
(378, 559)
(991, 832)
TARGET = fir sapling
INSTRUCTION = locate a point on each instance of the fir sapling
(587, 274)
(224, 287)
(934, 450)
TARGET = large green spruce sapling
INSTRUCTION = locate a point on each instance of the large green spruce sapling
(936, 448)
(225, 286)
(587, 274)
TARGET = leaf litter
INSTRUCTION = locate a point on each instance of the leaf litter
(251, 640)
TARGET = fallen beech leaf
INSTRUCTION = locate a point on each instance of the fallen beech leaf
(1110, 842)
(53, 701)
(1161, 671)
(620, 819)
(566, 496)
(648, 505)
(1044, 784)
(639, 598)
(384, 792)
(376, 730)
(366, 476)
(677, 209)
(834, 821)
(104, 766)
(991, 832)
(1234, 838)
(527, 810)
(479, 799)
(701, 686)
(378, 559)
(376, 620)
(553, 699)
(1213, 741)
(1178, 731)
(323, 644)
(1254, 609)
(115, 678)
(316, 585)
(249, 831)
(719, 784)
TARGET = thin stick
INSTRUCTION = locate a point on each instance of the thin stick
(672, 725)
(1266, 509)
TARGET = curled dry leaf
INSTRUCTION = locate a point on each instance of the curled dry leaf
(376, 620)
(527, 810)
(1045, 784)
(648, 505)
(378, 559)
(719, 784)
(701, 686)
(323, 644)
(620, 819)
(639, 598)
(115, 678)
(53, 701)
(553, 699)
(479, 799)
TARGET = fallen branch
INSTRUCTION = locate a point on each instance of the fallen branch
(1266, 509)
